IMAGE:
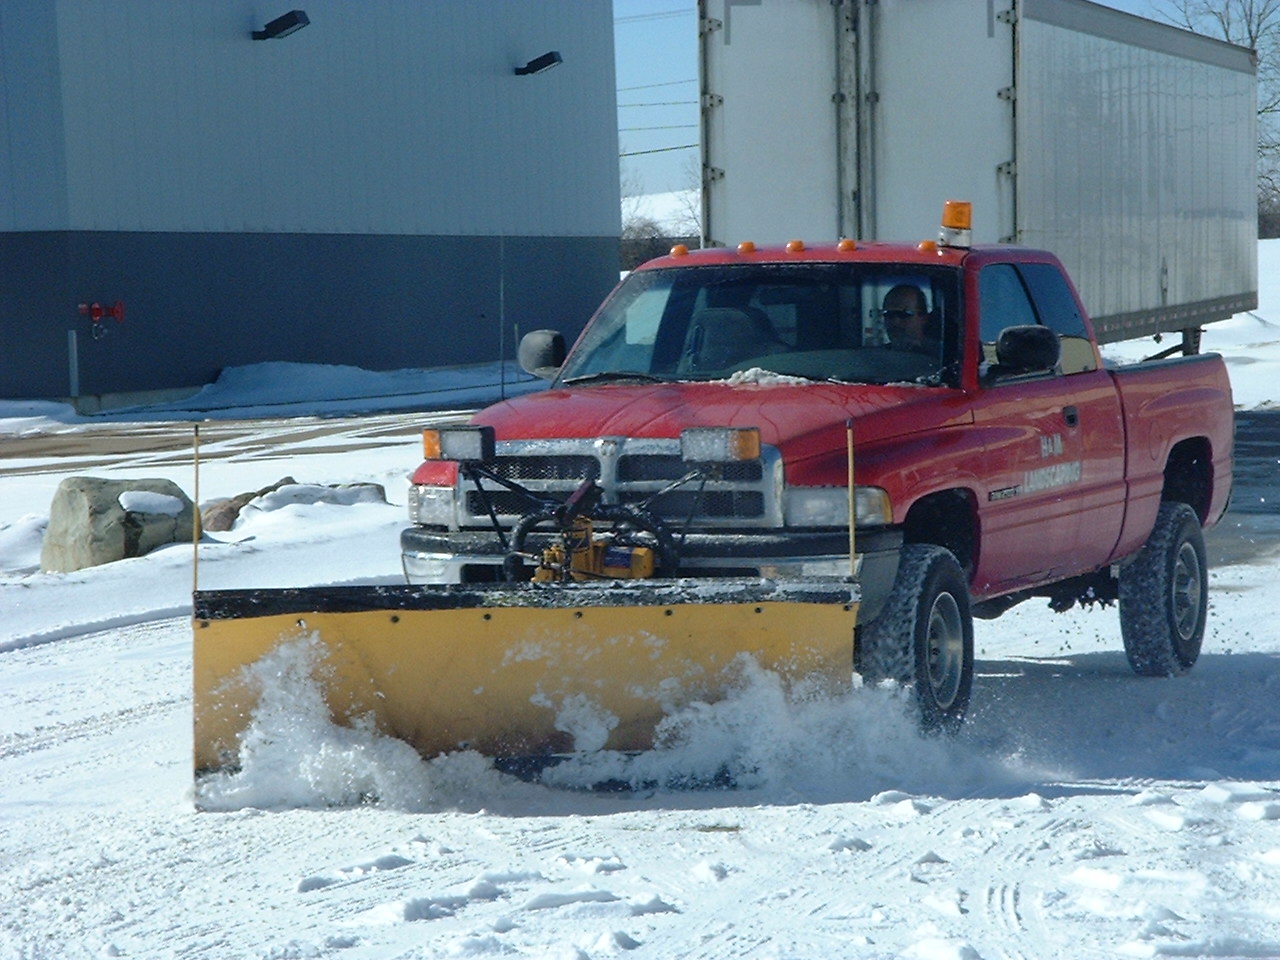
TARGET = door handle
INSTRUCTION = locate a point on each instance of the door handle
(1071, 415)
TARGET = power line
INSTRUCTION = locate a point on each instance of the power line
(650, 86)
(656, 15)
(662, 103)
(676, 126)
(640, 153)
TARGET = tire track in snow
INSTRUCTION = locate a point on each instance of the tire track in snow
(42, 738)
(78, 631)
(1004, 899)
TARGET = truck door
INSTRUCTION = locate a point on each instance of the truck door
(1052, 441)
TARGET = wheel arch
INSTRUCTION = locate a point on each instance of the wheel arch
(946, 518)
(1188, 475)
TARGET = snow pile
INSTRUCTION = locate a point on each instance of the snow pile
(781, 746)
(788, 746)
(20, 543)
(292, 755)
(144, 501)
(761, 377)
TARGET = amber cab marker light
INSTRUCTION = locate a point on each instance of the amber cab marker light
(679, 250)
(795, 246)
(746, 246)
(847, 245)
(927, 246)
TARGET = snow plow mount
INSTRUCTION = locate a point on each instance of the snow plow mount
(637, 544)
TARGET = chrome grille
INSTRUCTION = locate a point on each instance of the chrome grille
(631, 471)
(522, 469)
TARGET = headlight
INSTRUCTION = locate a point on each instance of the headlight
(829, 507)
(431, 506)
(719, 444)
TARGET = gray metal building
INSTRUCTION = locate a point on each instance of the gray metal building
(386, 187)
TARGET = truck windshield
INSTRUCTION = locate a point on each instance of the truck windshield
(853, 322)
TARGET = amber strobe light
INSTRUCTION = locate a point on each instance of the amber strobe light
(957, 224)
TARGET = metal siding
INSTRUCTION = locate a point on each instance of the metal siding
(387, 116)
(1135, 167)
(32, 181)
(198, 302)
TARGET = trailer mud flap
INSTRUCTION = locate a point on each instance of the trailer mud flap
(498, 668)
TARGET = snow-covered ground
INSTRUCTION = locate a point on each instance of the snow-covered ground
(1083, 812)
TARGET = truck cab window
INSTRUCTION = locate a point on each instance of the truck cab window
(1058, 311)
(1003, 302)
(815, 321)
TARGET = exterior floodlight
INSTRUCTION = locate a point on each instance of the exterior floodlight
(291, 22)
(538, 64)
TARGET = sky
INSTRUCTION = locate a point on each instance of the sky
(656, 43)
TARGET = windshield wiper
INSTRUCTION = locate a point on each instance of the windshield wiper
(615, 375)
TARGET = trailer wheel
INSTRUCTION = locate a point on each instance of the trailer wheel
(923, 637)
(1164, 596)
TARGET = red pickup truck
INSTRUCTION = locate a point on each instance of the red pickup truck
(997, 456)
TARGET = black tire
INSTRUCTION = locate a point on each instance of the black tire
(1164, 596)
(923, 637)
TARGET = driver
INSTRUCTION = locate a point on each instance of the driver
(906, 316)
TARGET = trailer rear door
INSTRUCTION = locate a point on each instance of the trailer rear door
(769, 136)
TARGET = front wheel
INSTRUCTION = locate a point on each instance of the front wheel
(923, 637)
(1164, 596)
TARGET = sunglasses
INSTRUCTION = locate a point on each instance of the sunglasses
(900, 314)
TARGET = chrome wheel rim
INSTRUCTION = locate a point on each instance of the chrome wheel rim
(945, 650)
(1187, 592)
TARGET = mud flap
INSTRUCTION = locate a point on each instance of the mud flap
(493, 667)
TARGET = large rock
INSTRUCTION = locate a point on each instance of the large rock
(94, 521)
(219, 516)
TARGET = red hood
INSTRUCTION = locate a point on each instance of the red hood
(787, 415)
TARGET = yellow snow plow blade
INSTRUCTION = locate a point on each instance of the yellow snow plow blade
(498, 668)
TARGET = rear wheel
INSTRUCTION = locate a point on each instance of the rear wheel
(1164, 596)
(923, 637)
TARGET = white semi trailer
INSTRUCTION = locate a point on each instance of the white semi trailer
(1125, 146)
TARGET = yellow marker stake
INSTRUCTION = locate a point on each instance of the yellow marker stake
(853, 563)
(195, 520)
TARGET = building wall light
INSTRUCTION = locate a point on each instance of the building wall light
(280, 27)
(539, 64)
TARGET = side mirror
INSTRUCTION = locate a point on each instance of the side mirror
(541, 353)
(1026, 349)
